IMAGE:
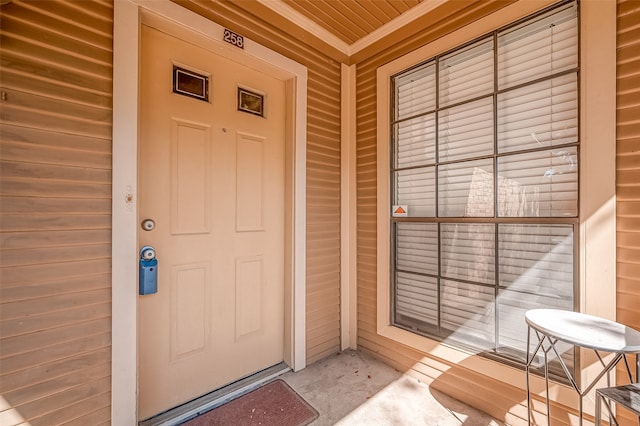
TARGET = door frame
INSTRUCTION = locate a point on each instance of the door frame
(128, 18)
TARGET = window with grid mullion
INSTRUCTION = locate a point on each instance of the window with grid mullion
(474, 141)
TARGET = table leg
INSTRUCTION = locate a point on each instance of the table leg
(546, 383)
(527, 376)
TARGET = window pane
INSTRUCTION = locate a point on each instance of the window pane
(466, 73)
(416, 141)
(543, 114)
(468, 251)
(538, 48)
(417, 247)
(468, 314)
(539, 184)
(417, 297)
(416, 189)
(538, 259)
(512, 337)
(536, 271)
(466, 189)
(466, 130)
(416, 91)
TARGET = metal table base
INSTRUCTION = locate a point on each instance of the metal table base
(580, 330)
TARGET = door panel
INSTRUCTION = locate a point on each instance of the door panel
(190, 177)
(212, 178)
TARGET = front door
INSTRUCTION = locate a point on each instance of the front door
(212, 180)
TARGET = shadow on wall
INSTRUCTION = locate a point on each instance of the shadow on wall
(502, 401)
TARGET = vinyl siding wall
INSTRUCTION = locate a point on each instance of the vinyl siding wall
(628, 165)
(628, 168)
(499, 399)
(55, 231)
(56, 187)
(55, 225)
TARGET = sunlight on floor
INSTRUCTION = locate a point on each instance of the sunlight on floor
(352, 388)
(9, 416)
(408, 401)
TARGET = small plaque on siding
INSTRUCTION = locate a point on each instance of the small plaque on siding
(190, 83)
(400, 210)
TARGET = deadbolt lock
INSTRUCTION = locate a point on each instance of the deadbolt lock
(148, 225)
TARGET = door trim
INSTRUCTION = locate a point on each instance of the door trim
(128, 16)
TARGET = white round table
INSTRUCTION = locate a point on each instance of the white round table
(587, 331)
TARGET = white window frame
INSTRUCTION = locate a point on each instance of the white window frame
(596, 274)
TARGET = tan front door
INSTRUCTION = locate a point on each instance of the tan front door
(212, 178)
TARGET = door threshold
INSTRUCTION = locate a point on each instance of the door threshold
(216, 398)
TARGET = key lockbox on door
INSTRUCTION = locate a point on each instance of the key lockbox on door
(148, 275)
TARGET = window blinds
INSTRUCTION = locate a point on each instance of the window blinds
(488, 134)
(535, 269)
(415, 91)
(466, 73)
(466, 131)
(538, 47)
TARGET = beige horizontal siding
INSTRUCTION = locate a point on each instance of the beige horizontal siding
(628, 170)
(55, 206)
(323, 162)
(628, 164)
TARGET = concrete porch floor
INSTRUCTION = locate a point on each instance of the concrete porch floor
(353, 388)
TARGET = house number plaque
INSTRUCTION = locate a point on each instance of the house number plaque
(233, 38)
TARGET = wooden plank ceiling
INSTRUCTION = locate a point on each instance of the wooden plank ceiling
(351, 20)
(348, 31)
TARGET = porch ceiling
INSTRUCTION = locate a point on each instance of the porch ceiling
(351, 31)
(352, 21)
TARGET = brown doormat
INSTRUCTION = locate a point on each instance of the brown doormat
(274, 404)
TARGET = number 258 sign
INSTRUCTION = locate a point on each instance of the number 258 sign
(233, 38)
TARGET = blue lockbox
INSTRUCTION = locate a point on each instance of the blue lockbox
(148, 274)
